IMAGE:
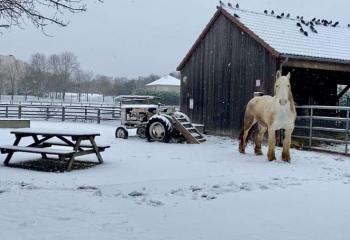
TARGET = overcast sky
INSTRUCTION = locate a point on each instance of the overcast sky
(138, 37)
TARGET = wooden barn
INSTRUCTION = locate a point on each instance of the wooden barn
(238, 54)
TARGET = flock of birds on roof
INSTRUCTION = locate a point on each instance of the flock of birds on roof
(301, 24)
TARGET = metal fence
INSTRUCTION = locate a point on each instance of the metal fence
(59, 103)
(324, 128)
(60, 113)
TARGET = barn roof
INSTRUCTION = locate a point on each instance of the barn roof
(283, 38)
(165, 81)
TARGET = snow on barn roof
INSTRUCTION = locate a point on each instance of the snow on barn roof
(166, 81)
(284, 36)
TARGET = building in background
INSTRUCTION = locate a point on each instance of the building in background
(11, 72)
(165, 84)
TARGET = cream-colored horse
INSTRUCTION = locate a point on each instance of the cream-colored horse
(271, 114)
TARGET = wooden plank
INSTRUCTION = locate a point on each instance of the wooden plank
(194, 138)
(76, 149)
(309, 64)
(10, 154)
(343, 92)
(54, 143)
(30, 132)
(12, 148)
(97, 151)
(37, 142)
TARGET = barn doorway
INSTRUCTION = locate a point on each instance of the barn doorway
(318, 87)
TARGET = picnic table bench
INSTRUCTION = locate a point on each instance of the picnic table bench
(43, 144)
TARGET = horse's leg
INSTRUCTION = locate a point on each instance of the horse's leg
(259, 138)
(286, 145)
(248, 123)
(272, 143)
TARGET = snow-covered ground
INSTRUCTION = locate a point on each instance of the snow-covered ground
(179, 191)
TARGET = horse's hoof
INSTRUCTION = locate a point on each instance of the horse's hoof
(242, 151)
(285, 157)
(258, 152)
(271, 157)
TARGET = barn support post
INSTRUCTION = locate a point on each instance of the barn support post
(310, 133)
(343, 92)
(347, 131)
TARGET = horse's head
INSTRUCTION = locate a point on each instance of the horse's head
(283, 91)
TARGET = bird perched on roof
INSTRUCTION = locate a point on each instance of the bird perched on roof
(272, 12)
(335, 24)
(236, 15)
(298, 24)
(302, 21)
(230, 5)
(265, 11)
(314, 19)
(301, 18)
(349, 25)
(313, 29)
(288, 15)
(222, 4)
(237, 5)
(301, 30)
(298, 17)
(282, 14)
(278, 17)
(306, 34)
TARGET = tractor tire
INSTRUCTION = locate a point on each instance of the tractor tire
(159, 128)
(141, 132)
(121, 133)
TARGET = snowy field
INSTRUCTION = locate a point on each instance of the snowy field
(154, 191)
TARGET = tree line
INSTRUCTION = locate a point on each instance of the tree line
(57, 74)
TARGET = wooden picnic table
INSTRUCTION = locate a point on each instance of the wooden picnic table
(42, 144)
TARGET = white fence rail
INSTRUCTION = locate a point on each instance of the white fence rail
(324, 128)
(60, 112)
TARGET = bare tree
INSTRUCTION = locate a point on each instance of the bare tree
(81, 82)
(62, 68)
(104, 85)
(39, 12)
(13, 73)
(39, 73)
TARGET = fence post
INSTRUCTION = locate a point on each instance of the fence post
(47, 113)
(310, 134)
(63, 113)
(19, 111)
(85, 113)
(113, 112)
(98, 115)
(7, 111)
(347, 131)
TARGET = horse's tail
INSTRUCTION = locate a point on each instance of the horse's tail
(250, 133)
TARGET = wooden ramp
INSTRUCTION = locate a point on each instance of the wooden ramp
(186, 128)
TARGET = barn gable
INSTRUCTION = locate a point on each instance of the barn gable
(220, 76)
(239, 52)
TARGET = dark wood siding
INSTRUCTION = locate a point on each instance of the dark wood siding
(220, 77)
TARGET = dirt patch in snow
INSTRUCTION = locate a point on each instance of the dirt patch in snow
(52, 165)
